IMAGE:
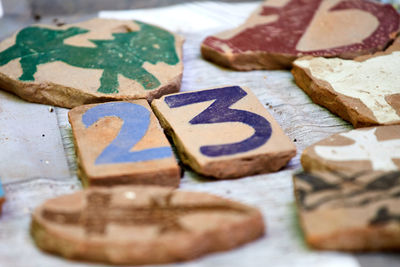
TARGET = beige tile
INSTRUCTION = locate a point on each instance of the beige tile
(355, 212)
(224, 132)
(122, 143)
(90, 62)
(364, 91)
(137, 225)
(355, 151)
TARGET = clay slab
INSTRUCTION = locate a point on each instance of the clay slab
(364, 91)
(278, 32)
(366, 149)
(356, 212)
(142, 225)
(122, 143)
(224, 132)
(92, 61)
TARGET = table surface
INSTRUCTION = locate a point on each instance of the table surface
(37, 159)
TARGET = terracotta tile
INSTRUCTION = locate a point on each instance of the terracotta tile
(364, 91)
(366, 149)
(90, 62)
(122, 143)
(357, 212)
(280, 31)
(146, 224)
(224, 132)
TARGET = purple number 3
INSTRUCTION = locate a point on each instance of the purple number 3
(219, 111)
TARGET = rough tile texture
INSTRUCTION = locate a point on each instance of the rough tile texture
(122, 143)
(367, 149)
(231, 137)
(91, 61)
(142, 225)
(280, 31)
(349, 212)
(365, 91)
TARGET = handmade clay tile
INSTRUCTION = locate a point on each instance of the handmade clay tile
(92, 61)
(138, 225)
(355, 151)
(357, 212)
(224, 132)
(280, 31)
(122, 143)
(364, 91)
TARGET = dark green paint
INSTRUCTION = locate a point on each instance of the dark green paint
(125, 54)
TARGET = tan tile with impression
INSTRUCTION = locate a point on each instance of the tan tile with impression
(135, 225)
(350, 212)
(122, 143)
(224, 132)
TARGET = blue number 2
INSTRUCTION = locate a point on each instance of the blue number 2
(136, 120)
(219, 111)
